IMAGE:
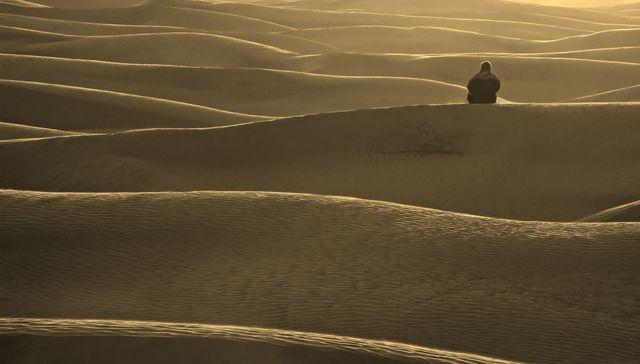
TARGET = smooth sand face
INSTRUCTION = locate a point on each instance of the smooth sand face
(117, 109)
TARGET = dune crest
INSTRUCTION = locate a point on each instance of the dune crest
(10, 131)
(374, 348)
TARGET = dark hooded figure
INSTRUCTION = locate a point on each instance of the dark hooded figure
(484, 86)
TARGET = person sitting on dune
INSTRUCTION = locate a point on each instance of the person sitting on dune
(484, 86)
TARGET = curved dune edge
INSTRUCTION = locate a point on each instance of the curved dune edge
(69, 327)
(625, 213)
(9, 131)
(102, 110)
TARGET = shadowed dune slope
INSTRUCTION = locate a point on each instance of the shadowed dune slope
(244, 90)
(525, 79)
(107, 340)
(98, 110)
(18, 131)
(188, 49)
(515, 161)
(627, 212)
(546, 292)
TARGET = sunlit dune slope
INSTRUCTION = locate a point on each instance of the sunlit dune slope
(98, 110)
(546, 292)
(559, 162)
(244, 90)
(148, 13)
(103, 341)
(626, 212)
(18, 131)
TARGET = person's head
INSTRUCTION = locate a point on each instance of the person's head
(486, 66)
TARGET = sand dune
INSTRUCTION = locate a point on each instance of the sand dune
(525, 79)
(629, 54)
(92, 4)
(496, 9)
(225, 342)
(430, 40)
(630, 93)
(78, 28)
(303, 19)
(11, 37)
(528, 158)
(292, 43)
(189, 49)
(243, 90)
(626, 212)
(98, 110)
(21, 3)
(150, 14)
(18, 131)
(329, 139)
(284, 41)
(384, 39)
(498, 28)
(609, 38)
(546, 292)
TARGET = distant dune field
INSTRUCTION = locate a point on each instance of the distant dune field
(301, 181)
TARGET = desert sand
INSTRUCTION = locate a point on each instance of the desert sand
(301, 181)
